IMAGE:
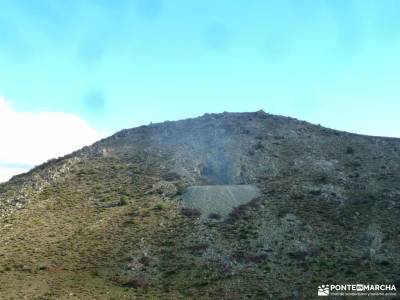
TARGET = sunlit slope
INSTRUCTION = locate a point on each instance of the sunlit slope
(110, 220)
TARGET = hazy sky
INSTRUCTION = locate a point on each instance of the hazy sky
(104, 65)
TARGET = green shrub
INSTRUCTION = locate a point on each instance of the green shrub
(123, 201)
(349, 150)
(160, 206)
(191, 212)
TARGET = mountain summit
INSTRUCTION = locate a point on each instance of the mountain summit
(224, 206)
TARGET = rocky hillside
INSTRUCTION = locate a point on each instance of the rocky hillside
(112, 221)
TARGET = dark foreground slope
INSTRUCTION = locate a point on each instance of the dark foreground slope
(107, 222)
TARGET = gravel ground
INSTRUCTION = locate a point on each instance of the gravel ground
(218, 199)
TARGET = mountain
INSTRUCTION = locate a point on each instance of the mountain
(224, 206)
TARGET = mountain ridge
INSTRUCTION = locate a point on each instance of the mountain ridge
(123, 131)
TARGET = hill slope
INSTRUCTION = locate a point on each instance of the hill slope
(108, 221)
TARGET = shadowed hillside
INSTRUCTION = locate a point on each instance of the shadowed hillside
(112, 220)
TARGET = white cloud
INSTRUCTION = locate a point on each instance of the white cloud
(28, 138)
(6, 173)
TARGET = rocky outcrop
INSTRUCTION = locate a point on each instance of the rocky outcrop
(21, 190)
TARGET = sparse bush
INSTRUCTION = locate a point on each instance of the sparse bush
(171, 176)
(279, 137)
(137, 282)
(238, 211)
(3, 188)
(321, 178)
(123, 201)
(282, 212)
(315, 192)
(160, 206)
(55, 269)
(349, 150)
(190, 212)
(198, 248)
(259, 146)
(145, 260)
(298, 255)
(246, 258)
(297, 195)
(214, 216)
(180, 190)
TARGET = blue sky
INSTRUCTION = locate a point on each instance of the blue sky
(124, 63)
(118, 64)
